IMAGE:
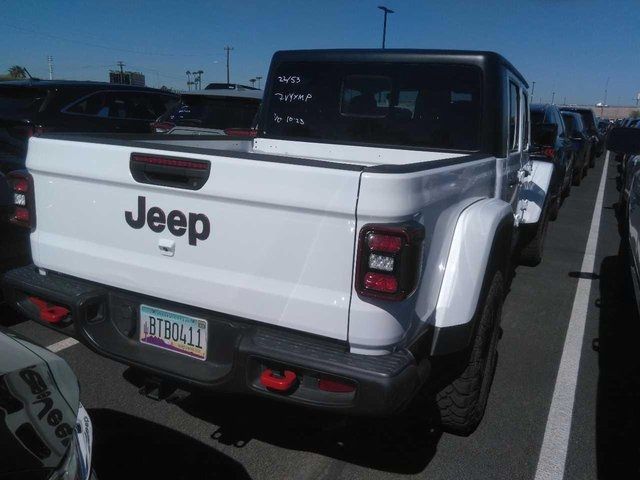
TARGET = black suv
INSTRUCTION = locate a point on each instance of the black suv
(28, 107)
(582, 145)
(550, 141)
(591, 128)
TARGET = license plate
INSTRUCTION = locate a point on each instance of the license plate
(174, 332)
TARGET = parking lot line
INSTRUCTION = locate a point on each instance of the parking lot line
(553, 453)
(62, 344)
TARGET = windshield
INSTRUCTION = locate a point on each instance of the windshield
(20, 101)
(413, 105)
(213, 112)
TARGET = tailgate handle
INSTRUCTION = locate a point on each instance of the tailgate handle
(169, 171)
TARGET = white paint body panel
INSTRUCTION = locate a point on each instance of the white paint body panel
(435, 198)
(467, 261)
(280, 249)
(534, 191)
(282, 243)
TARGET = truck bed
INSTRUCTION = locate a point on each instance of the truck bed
(316, 154)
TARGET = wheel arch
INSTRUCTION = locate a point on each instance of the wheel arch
(481, 245)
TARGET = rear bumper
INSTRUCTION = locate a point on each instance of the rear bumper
(106, 320)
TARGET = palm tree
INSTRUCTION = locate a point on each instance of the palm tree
(17, 72)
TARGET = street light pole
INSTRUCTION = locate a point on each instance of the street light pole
(384, 28)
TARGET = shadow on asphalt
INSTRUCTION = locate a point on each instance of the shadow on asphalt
(401, 444)
(618, 400)
(127, 447)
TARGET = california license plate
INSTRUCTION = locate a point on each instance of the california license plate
(174, 332)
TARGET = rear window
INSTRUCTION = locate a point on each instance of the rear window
(588, 120)
(20, 101)
(213, 112)
(572, 123)
(537, 116)
(418, 105)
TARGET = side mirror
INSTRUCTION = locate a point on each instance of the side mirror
(624, 140)
(544, 133)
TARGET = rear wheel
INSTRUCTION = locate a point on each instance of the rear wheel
(577, 177)
(567, 190)
(461, 404)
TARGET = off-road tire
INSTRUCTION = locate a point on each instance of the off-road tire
(532, 241)
(461, 404)
(577, 179)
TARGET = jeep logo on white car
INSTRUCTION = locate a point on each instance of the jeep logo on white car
(197, 224)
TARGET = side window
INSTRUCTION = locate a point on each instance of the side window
(514, 117)
(365, 96)
(122, 105)
(137, 105)
(94, 105)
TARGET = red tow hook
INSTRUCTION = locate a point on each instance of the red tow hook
(48, 312)
(278, 381)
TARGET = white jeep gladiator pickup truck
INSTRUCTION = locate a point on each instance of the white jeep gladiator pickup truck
(352, 257)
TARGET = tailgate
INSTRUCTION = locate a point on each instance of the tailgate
(279, 248)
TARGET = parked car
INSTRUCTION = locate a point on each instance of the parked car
(625, 140)
(591, 130)
(550, 142)
(14, 242)
(211, 112)
(230, 265)
(31, 107)
(579, 137)
(45, 432)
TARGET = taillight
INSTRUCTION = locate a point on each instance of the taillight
(388, 262)
(161, 127)
(337, 386)
(240, 132)
(549, 152)
(24, 214)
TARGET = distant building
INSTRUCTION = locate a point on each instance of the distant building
(126, 78)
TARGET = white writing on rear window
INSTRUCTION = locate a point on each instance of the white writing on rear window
(293, 97)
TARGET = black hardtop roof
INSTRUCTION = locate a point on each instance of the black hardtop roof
(543, 106)
(573, 113)
(27, 83)
(476, 57)
(575, 109)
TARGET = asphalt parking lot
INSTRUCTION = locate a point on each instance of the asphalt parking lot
(212, 437)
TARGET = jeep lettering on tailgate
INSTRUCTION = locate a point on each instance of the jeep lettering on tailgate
(176, 221)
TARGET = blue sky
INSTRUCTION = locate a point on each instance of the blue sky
(567, 46)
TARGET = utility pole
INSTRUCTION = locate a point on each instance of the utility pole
(564, 100)
(384, 28)
(188, 72)
(553, 97)
(258, 79)
(50, 62)
(228, 49)
(252, 81)
(533, 88)
(121, 64)
(606, 86)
